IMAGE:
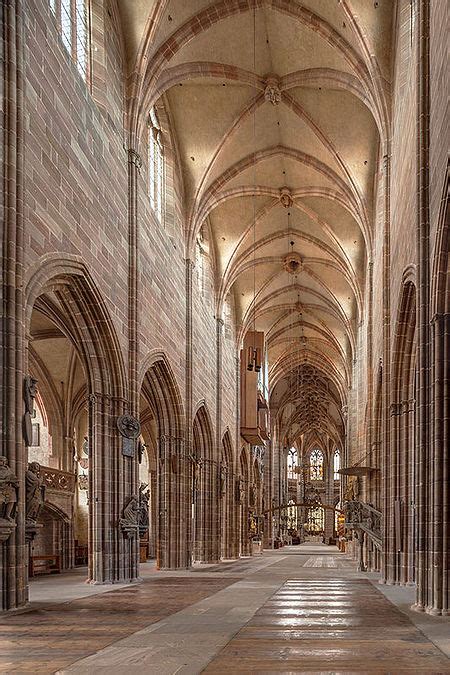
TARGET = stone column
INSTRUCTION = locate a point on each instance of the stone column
(388, 497)
(153, 504)
(235, 505)
(215, 496)
(174, 510)
(329, 493)
(186, 486)
(113, 555)
(438, 602)
(423, 298)
(268, 494)
(13, 573)
(134, 167)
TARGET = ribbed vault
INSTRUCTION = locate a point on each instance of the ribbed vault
(279, 111)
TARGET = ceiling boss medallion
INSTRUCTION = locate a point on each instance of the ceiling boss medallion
(293, 263)
(272, 92)
(286, 197)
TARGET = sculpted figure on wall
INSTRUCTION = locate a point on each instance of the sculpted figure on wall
(8, 491)
(130, 517)
(35, 492)
(144, 496)
(29, 394)
(222, 479)
(131, 511)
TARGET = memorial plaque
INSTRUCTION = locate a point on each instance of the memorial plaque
(128, 447)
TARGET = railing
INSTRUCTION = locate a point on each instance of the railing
(54, 479)
(365, 517)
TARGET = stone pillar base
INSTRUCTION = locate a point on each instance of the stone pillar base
(7, 527)
(418, 607)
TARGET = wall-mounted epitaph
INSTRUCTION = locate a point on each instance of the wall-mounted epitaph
(129, 428)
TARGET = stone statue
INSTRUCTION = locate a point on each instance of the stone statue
(35, 492)
(131, 512)
(240, 490)
(197, 464)
(8, 490)
(129, 523)
(29, 394)
(143, 508)
(222, 478)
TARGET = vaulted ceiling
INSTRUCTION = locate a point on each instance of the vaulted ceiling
(277, 110)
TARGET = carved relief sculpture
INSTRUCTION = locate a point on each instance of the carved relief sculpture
(272, 92)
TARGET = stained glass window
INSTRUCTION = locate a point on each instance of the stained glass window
(316, 465)
(315, 520)
(292, 463)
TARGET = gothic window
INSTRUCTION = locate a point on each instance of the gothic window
(73, 23)
(316, 520)
(155, 165)
(336, 464)
(292, 463)
(316, 465)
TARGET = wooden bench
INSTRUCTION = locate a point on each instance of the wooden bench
(44, 564)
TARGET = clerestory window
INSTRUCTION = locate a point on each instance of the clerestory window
(155, 165)
(72, 18)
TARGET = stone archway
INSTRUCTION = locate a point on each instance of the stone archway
(66, 296)
(435, 595)
(402, 472)
(160, 393)
(226, 496)
(243, 503)
(204, 491)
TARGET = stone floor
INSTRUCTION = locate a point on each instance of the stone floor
(301, 609)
